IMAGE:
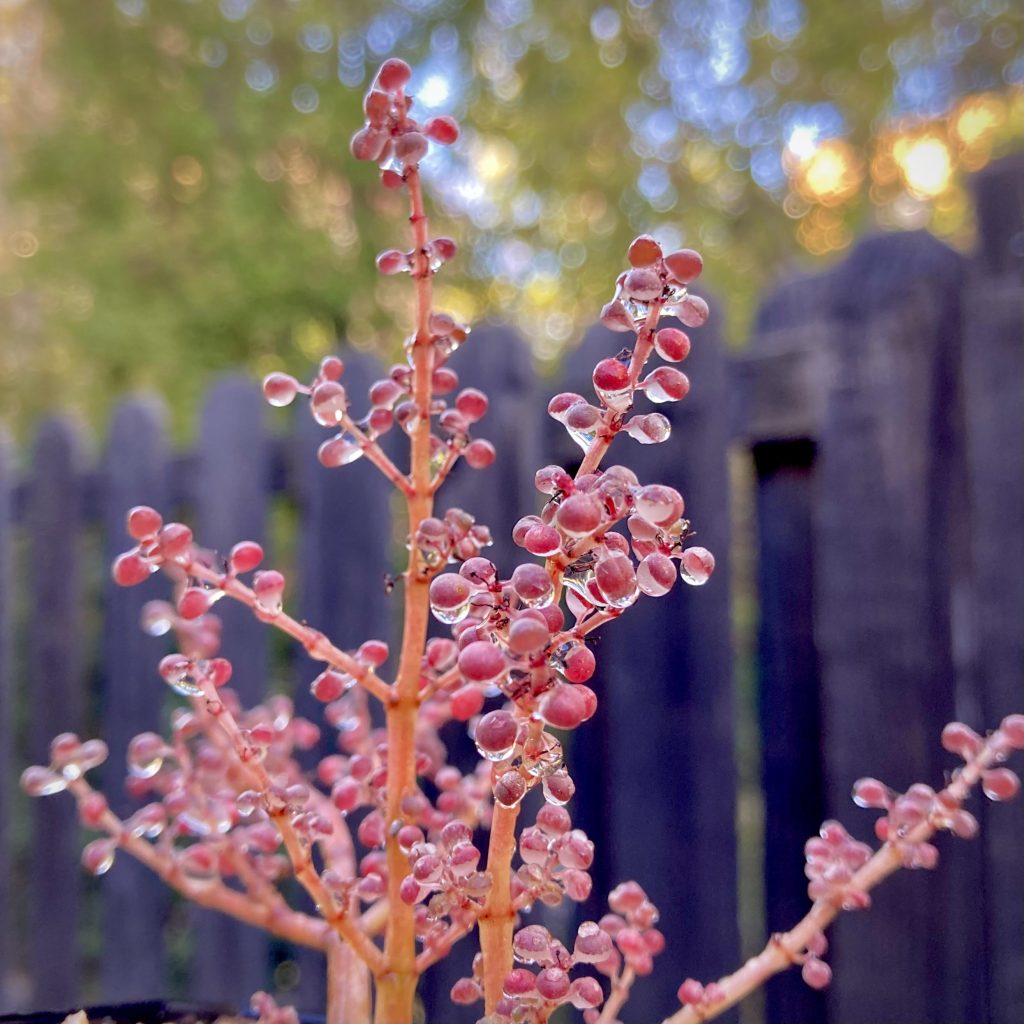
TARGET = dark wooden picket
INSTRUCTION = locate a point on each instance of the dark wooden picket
(231, 960)
(994, 382)
(8, 763)
(56, 703)
(135, 902)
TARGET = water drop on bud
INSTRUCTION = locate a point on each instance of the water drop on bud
(693, 311)
(368, 143)
(245, 556)
(143, 522)
(131, 569)
(479, 454)
(393, 261)
(666, 384)
(449, 597)
(961, 739)
(642, 284)
(656, 575)
(482, 662)
(98, 856)
(870, 793)
(565, 707)
(328, 403)
(194, 602)
(696, 566)
(579, 515)
(509, 789)
(1000, 784)
(268, 589)
(411, 148)
(612, 383)
(532, 585)
(495, 735)
(672, 344)
(615, 317)
(643, 251)
(280, 389)
(816, 973)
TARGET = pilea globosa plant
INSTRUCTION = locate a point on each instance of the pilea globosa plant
(396, 868)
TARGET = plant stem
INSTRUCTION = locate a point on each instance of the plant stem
(348, 985)
(786, 949)
(497, 921)
(396, 987)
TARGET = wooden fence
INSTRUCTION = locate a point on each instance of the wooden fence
(874, 427)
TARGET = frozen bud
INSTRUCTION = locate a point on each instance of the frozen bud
(575, 850)
(532, 584)
(443, 129)
(98, 856)
(496, 735)
(579, 515)
(372, 831)
(280, 389)
(612, 383)
(481, 662)
(481, 571)
(630, 941)
(91, 809)
(592, 944)
(346, 794)
(684, 265)
(642, 284)
(552, 479)
(534, 846)
(656, 574)
(693, 311)
(131, 569)
(245, 556)
(392, 261)
(560, 405)
(509, 789)
(1012, 728)
(696, 566)
(616, 579)
(553, 984)
(1000, 784)
(672, 344)
(332, 368)
(176, 543)
(532, 945)
(816, 973)
(658, 504)
(479, 454)
(194, 601)
(329, 686)
(961, 739)
(471, 403)
(394, 74)
(411, 148)
(268, 589)
(465, 992)
(443, 249)
(464, 859)
(963, 824)
(565, 707)
(527, 635)
(558, 787)
(449, 597)
(466, 702)
(578, 885)
(543, 541)
(428, 868)
(615, 317)
(553, 820)
(143, 522)
(691, 992)
(368, 143)
(579, 664)
(650, 429)
(643, 251)
(666, 384)
(870, 793)
(519, 982)
(626, 898)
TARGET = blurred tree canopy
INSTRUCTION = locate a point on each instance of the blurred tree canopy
(176, 193)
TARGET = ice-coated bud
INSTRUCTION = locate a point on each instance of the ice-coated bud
(553, 984)
(643, 251)
(143, 522)
(579, 664)
(564, 707)
(368, 143)
(481, 662)
(696, 566)
(268, 589)
(394, 74)
(443, 129)
(684, 265)
(579, 515)
(693, 311)
(245, 556)
(816, 973)
(131, 569)
(961, 739)
(615, 317)
(496, 735)
(532, 584)
(411, 148)
(672, 344)
(465, 992)
(280, 389)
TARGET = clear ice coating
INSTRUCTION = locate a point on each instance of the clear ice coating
(497, 755)
(542, 756)
(340, 450)
(449, 616)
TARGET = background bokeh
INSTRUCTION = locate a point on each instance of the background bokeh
(176, 194)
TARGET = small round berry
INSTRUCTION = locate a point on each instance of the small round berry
(465, 992)
(479, 454)
(130, 569)
(481, 661)
(411, 148)
(564, 707)
(579, 515)
(392, 261)
(580, 664)
(816, 973)
(553, 984)
(280, 389)
(693, 311)
(466, 702)
(696, 566)
(532, 584)
(642, 284)
(643, 251)
(245, 556)
(610, 376)
(143, 522)
(443, 129)
(194, 602)
(666, 384)
(672, 344)
(684, 265)
(496, 733)
(394, 74)
(368, 143)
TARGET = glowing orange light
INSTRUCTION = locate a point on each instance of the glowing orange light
(831, 174)
(977, 118)
(925, 164)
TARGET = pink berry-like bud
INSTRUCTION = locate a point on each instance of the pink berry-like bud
(961, 739)
(91, 809)
(176, 543)
(411, 148)
(194, 601)
(527, 635)
(684, 265)
(465, 992)
(280, 389)
(643, 251)
(615, 317)
(368, 143)
(130, 569)
(870, 793)
(672, 344)
(479, 454)
(443, 129)
(1000, 784)
(579, 515)
(553, 984)
(656, 575)
(143, 522)
(496, 732)
(696, 566)
(579, 664)
(509, 789)
(328, 686)
(693, 311)
(816, 973)
(268, 588)
(666, 384)
(394, 74)
(691, 992)
(245, 556)
(616, 579)
(564, 707)
(532, 584)
(392, 261)
(481, 662)
(466, 702)
(586, 993)
(642, 284)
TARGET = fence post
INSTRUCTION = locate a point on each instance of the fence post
(888, 465)
(343, 557)
(8, 762)
(230, 960)
(778, 394)
(136, 903)
(994, 377)
(658, 758)
(55, 704)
